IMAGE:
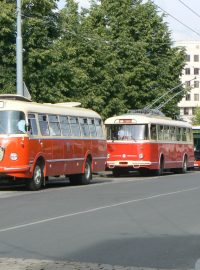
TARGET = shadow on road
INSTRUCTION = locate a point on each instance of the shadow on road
(168, 252)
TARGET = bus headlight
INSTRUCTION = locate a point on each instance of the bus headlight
(1, 153)
(13, 156)
(141, 156)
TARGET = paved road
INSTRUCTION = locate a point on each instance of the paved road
(131, 221)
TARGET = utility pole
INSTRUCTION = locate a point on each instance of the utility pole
(19, 49)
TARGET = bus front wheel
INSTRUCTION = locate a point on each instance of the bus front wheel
(37, 178)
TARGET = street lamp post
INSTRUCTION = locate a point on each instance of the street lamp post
(19, 49)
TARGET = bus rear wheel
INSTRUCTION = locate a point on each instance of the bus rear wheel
(37, 179)
(84, 178)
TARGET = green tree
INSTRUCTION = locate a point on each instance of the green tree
(41, 29)
(134, 61)
(196, 118)
(7, 47)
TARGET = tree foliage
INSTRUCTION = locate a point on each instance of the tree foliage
(115, 56)
(196, 118)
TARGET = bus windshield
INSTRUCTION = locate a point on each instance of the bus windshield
(127, 132)
(12, 122)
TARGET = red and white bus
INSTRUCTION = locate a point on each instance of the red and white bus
(196, 136)
(148, 143)
(41, 140)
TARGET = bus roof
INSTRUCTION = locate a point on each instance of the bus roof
(50, 108)
(145, 119)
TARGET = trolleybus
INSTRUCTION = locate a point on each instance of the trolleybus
(42, 140)
(149, 143)
(196, 136)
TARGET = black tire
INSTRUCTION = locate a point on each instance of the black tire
(84, 178)
(116, 172)
(160, 171)
(184, 167)
(37, 179)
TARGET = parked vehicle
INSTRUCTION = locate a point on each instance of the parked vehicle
(42, 140)
(148, 143)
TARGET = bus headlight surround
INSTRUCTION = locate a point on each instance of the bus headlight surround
(13, 156)
(141, 156)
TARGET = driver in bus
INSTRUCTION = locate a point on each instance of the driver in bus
(21, 126)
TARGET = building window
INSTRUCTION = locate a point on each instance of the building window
(193, 110)
(196, 71)
(187, 71)
(187, 58)
(187, 83)
(187, 97)
(196, 58)
(196, 97)
(186, 111)
(196, 84)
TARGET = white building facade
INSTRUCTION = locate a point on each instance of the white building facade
(191, 78)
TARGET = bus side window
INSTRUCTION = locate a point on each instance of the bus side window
(54, 125)
(75, 126)
(99, 128)
(44, 127)
(184, 138)
(84, 127)
(65, 126)
(160, 132)
(153, 132)
(178, 134)
(92, 127)
(33, 130)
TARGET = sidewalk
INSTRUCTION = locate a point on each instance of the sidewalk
(20, 264)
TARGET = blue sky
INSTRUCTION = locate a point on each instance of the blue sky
(180, 12)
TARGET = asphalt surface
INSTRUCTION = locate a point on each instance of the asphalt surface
(130, 222)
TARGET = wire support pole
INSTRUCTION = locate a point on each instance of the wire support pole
(19, 48)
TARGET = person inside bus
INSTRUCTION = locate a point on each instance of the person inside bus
(21, 125)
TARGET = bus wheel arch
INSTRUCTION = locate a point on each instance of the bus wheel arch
(161, 168)
(86, 176)
(37, 179)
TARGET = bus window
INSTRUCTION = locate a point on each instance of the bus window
(92, 127)
(10, 122)
(75, 126)
(178, 134)
(84, 127)
(153, 132)
(184, 137)
(173, 133)
(54, 125)
(127, 132)
(160, 132)
(44, 128)
(166, 133)
(33, 130)
(65, 126)
(99, 128)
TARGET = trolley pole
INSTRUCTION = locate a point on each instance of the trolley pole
(19, 64)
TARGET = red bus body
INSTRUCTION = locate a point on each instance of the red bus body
(59, 154)
(148, 153)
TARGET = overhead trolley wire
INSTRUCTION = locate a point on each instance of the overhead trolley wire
(185, 25)
(188, 7)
